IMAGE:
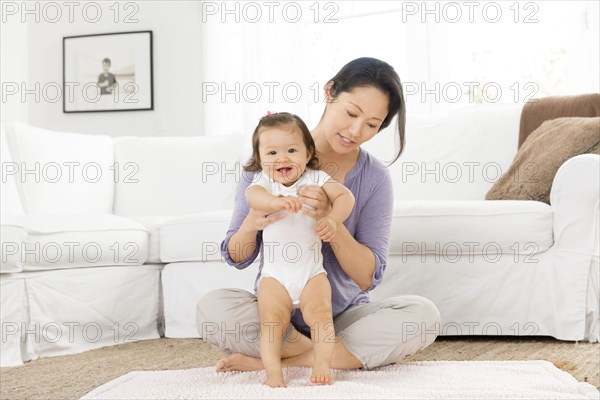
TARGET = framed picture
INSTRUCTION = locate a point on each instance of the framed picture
(108, 72)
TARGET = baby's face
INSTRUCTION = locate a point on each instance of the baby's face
(283, 155)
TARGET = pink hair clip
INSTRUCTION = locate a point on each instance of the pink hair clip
(268, 114)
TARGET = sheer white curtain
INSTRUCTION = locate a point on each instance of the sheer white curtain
(536, 49)
(250, 68)
(448, 54)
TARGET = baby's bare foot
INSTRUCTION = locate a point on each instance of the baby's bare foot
(239, 362)
(275, 379)
(320, 374)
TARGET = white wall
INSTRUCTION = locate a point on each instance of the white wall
(189, 52)
(177, 64)
(13, 70)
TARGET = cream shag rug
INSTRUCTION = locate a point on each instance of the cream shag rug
(412, 380)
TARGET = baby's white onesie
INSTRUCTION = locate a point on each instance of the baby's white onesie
(292, 248)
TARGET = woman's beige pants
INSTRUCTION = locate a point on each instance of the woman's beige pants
(376, 333)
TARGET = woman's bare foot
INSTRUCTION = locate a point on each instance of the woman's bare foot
(275, 379)
(239, 362)
(320, 374)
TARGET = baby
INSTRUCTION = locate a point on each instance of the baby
(284, 159)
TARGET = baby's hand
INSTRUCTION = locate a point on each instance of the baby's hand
(289, 203)
(326, 228)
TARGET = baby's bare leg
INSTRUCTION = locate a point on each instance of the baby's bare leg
(315, 304)
(274, 308)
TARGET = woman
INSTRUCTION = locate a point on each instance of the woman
(362, 99)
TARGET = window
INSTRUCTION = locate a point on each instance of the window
(536, 49)
(448, 54)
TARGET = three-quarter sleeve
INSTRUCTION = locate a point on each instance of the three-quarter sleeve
(240, 211)
(374, 224)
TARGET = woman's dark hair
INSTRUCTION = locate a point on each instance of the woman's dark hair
(106, 60)
(371, 72)
(275, 120)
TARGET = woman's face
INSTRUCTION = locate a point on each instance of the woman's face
(283, 155)
(354, 117)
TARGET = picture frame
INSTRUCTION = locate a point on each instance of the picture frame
(108, 72)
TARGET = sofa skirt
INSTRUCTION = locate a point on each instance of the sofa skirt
(184, 283)
(554, 293)
(60, 312)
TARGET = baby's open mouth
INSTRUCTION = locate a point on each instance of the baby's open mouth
(284, 170)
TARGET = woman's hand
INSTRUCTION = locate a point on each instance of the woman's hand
(314, 196)
(242, 244)
(257, 220)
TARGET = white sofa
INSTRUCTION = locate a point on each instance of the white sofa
(122, 245)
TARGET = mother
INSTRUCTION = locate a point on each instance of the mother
(362, 99)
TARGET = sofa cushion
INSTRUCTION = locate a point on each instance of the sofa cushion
(177, 175)
(71, 172)
(70, 241)
(152, 225)
(194, 237)
(453, 156)
(10, 202)
(12, 236)
(531, 174)
(471, 227)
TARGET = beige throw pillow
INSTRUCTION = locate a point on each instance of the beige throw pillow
(545, 150)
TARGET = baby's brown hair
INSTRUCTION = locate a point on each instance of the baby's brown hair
(280, 119)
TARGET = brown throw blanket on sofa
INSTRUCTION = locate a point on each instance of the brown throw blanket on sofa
(540, 110)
